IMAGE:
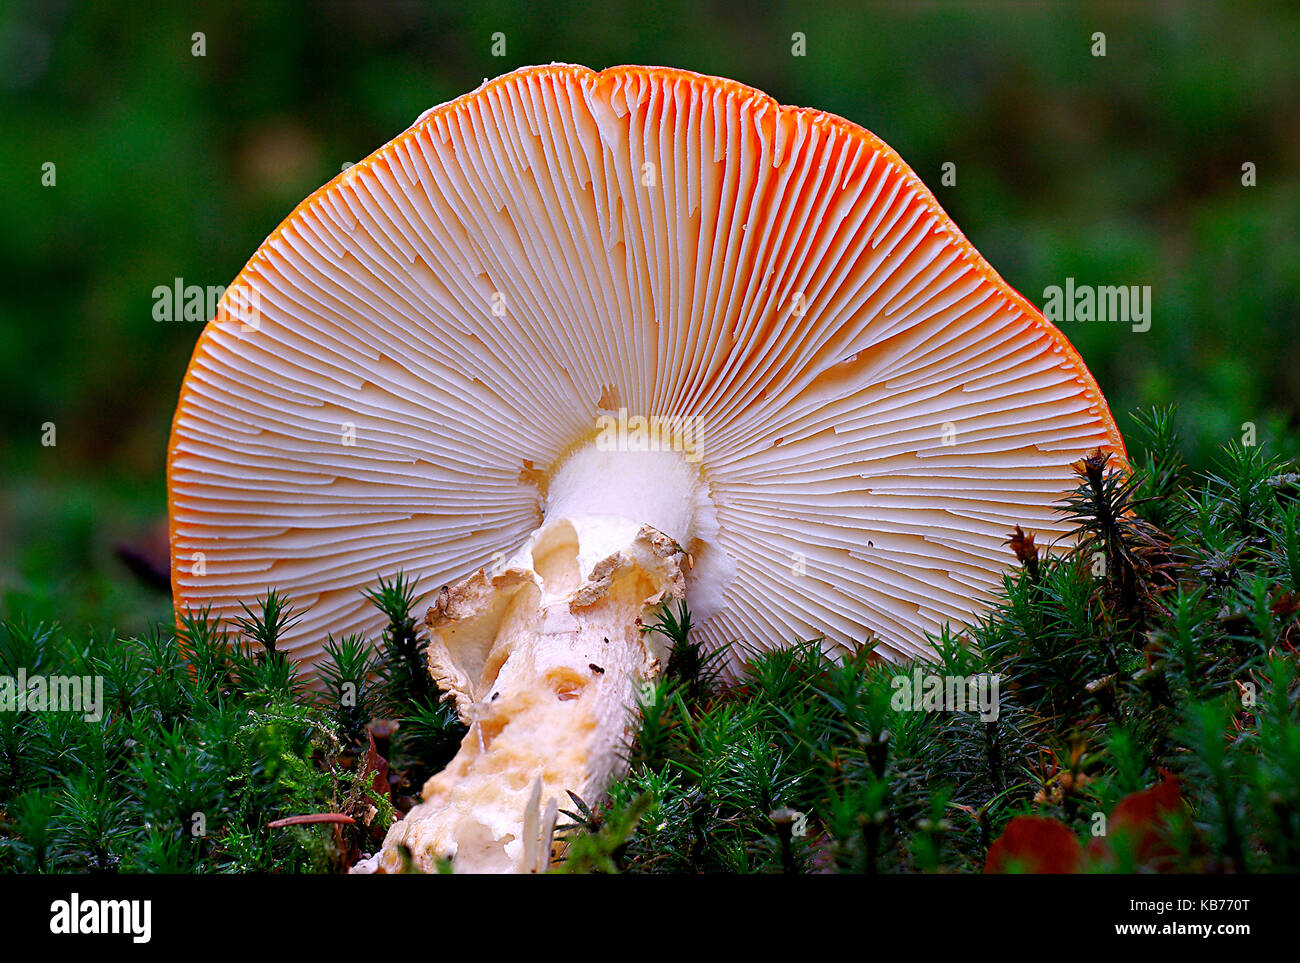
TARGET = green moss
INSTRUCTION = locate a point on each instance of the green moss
(1164, 642)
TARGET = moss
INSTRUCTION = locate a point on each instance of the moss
(1175, 654)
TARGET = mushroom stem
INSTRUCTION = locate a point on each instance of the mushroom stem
(545, 665)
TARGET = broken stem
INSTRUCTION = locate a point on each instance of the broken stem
(545, 660)
(548, 688)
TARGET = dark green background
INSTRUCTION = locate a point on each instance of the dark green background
(1117, 170)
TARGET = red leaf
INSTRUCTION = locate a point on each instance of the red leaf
(1143, 816)
(379, 766)
(1149, 807)
(1034, 844)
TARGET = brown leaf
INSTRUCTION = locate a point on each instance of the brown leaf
(1022, 544)
(379, 766)
(1142, 817)
(1034, 844)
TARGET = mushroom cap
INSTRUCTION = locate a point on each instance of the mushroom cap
(881, 407)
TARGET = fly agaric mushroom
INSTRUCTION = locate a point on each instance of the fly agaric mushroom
(578, 344)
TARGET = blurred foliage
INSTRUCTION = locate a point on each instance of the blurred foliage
(1117, 170)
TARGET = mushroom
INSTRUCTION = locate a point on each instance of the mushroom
(577, 345)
